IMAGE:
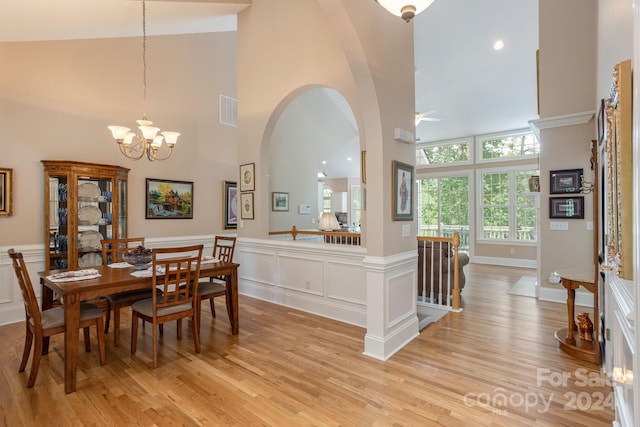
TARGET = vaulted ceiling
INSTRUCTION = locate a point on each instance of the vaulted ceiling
(473, 88)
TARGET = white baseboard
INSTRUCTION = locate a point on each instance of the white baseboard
(506, 262)
(583, 298)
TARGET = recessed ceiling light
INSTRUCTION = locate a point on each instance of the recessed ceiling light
(324, 162)
(498, 45)
(349, 158)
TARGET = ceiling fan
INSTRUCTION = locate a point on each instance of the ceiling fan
(424, 117)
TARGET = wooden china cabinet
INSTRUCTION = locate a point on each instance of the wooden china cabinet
(84, 203)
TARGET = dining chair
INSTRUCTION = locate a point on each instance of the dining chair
(42, 324)
(223, 249)
(112, 252)
(175, 272)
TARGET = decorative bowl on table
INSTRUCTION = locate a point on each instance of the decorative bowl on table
(138, 258)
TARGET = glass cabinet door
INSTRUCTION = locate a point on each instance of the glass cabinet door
(122, 209)
(95, 218)
(57, 211)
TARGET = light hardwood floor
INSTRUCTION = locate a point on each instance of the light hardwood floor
(494, 364)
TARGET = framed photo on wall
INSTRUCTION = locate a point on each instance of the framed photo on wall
(230, 204)
(566, 207)
(246, 205)
(279, 201)
(247, 177)
(565, 181)
(402, 191)
(6, 192)
(166, 199)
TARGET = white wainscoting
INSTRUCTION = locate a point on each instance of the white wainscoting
(333, 281)
(328, 280)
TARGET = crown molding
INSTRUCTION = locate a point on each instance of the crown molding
(560, 121)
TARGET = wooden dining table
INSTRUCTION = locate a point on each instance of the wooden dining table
(111, 281)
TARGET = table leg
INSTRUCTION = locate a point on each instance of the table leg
(232, 300)
(571, 325)
(47, 303)
(71, 335)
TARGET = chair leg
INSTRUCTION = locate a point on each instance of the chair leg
(116, 325)
(28, 340)
(101, 346)
(213, 307)
(199, 312)
(107, 320)
(35, 364)
(196, 334)
(155, 347)
(87, 340)
(134, 332)
(179, 328)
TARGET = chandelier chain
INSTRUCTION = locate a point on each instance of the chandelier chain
(144, 60)
(155, 144)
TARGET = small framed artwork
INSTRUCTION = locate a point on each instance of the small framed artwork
(566, 207)
(363, 166)
(168, 199)
(402, 192)
(247, 177)
(230, 195)
(279, 201)
(565, 181)
(246, 205)
(6, 192)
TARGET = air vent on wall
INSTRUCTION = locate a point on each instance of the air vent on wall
(228, 111)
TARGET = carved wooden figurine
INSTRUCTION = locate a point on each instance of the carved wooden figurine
(586, 327)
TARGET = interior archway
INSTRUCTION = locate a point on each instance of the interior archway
(316, 133)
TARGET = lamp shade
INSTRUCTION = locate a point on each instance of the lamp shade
(328, 222)
(170, 137)
(406, 9)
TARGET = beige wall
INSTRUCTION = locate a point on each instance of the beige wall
(567, 86)
(57, 98)
(335, 45)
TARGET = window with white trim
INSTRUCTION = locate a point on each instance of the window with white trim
(505, 214)
(443, 207)
(443, 153)
(508, 146)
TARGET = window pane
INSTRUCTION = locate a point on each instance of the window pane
(495, 212)
(442, 154)
(525, 211)
(443, 207)
(506, 214)
(520, 145)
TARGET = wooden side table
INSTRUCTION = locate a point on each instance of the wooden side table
(581, 349)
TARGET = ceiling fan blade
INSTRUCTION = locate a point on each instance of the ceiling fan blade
(431, 119)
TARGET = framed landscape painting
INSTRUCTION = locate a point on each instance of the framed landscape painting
(168, 199)
(279, 201)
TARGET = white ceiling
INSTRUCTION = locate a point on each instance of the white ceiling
(473, 88)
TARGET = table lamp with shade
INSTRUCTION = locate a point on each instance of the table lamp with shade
(328, 222)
